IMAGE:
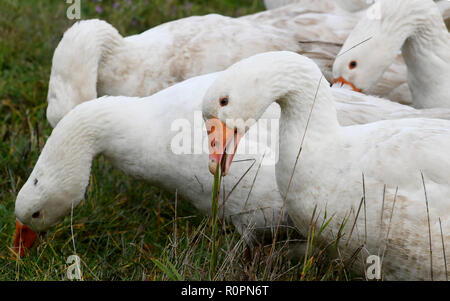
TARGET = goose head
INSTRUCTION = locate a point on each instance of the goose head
(43, 202)
(242, 93)
(56, 185)
(378, 39)
(226, 121)
(358, 67)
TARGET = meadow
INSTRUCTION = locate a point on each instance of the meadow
(124, 229)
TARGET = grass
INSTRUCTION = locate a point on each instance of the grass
(124, 229)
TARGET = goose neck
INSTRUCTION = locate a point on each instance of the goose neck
(427, 55)
(310, 109)
(74, 142)
(419, 30)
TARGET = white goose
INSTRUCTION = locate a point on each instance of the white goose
(136, 135)
(417, 29)
(389, 155)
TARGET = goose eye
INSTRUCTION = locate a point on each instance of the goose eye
(224, 101)
(36, 214)
(35, 182)
(352, 65)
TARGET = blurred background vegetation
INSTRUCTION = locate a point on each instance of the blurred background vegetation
(125, 229)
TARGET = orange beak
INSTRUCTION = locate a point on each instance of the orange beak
(24, 239)
(342, 82)
(223, 143)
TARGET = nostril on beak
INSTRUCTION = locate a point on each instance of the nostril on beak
(212, 165)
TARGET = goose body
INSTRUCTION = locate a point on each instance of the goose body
(381, 163)
(417, 29)
(357, 108)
